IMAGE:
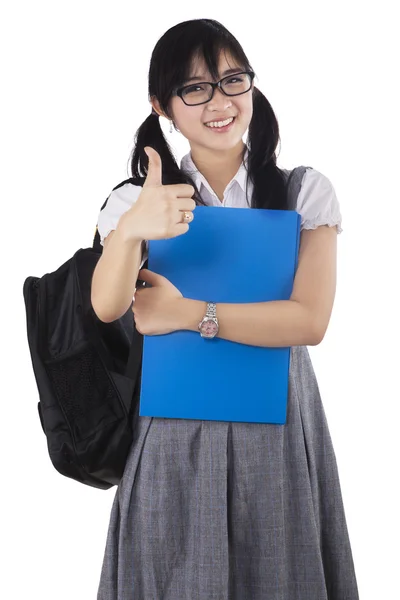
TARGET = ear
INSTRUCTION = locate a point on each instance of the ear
(156, 105)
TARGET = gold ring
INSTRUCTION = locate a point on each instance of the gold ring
(187, 216)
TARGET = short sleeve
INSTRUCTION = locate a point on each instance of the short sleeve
(118, 202)
(317, 202)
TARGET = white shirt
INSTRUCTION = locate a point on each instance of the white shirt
(316, 203)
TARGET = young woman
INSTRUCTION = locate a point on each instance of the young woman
(214, 510)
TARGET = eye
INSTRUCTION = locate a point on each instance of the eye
(193, 88)
(235, 78)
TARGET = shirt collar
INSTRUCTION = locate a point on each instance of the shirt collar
(188, 165)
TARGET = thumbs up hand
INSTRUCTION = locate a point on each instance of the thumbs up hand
(158, 211)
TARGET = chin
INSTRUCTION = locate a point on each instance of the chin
(225, 144)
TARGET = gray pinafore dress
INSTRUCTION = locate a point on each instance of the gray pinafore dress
(214, 510)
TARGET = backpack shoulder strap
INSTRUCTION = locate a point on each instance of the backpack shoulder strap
(294, 178)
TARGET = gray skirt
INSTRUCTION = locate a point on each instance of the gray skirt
(214, 510)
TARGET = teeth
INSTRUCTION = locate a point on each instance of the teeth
(219, 123)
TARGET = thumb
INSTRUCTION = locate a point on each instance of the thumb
(152, 278)
(154, 171)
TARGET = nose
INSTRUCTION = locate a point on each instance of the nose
(219, 101)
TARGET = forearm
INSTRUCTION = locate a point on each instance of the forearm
(280, 323)
(114, 278)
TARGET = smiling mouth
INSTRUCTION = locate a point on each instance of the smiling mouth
(220, 124)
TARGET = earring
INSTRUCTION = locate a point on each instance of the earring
(170, 127)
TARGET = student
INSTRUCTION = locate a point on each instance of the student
(214, 510)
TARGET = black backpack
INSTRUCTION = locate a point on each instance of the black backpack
(87, 372)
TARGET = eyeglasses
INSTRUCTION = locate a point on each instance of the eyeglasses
(232, 85)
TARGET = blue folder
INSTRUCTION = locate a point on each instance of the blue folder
(237, 255)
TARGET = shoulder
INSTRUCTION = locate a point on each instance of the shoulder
(120, 199)
(315, 179)
(127, 190)
(317, 202)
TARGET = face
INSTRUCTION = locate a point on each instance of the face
(190, 120)
(209, 328)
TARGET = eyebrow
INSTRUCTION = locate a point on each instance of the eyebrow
(227, 72)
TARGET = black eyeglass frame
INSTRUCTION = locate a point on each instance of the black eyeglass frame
(179, 91)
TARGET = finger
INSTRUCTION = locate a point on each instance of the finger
(177, 229)
(154, 171)
(184, 204)
(181, 190)
(152, 278)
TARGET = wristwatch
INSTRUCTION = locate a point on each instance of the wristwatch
(208, 326)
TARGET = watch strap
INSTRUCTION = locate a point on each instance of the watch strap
(211, 310)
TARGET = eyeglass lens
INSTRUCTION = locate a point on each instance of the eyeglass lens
(202, 92)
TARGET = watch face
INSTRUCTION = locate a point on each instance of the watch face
(209, 328)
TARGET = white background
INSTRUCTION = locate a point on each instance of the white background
(75, 91)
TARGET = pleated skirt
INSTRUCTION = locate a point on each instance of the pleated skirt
(214, 510)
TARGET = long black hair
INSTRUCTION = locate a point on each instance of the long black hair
(169, 69)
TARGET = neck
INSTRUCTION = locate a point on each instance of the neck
(218, 166)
